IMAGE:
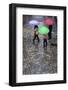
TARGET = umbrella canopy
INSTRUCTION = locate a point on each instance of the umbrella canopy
(43, 30)
(33, 22)
(49, 21)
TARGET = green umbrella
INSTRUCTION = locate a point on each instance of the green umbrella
(43, 30)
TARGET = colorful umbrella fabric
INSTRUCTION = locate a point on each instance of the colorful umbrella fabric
(49, 21)
(33, 22)
(43, 30)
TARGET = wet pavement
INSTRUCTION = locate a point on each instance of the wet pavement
(36, 59)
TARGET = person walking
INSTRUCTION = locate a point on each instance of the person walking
(36, 34)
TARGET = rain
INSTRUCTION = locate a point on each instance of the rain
(36, 58)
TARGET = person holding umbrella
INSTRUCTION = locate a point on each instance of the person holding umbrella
(44, 30)
(49, 22)
(36, 34)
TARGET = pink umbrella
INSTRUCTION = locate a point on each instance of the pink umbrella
(49, 21)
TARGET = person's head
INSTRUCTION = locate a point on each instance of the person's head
(35, 27)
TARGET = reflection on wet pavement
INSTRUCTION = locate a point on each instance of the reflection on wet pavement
(36, 59)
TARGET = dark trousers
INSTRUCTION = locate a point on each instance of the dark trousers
(35, 37)
(44, 43)
(50, 32)
(50, 35)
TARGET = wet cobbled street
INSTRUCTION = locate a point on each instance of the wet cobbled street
(36, 59)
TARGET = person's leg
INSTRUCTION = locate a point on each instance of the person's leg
(43, 42)
(46, 42)
(50, 30)
(49, 35)
(37, 38)
(34, 38)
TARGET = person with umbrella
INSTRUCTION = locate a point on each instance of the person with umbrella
(49, 22)
(36, 34)
(43, 30)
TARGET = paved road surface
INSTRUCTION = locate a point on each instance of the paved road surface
(36, 59)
